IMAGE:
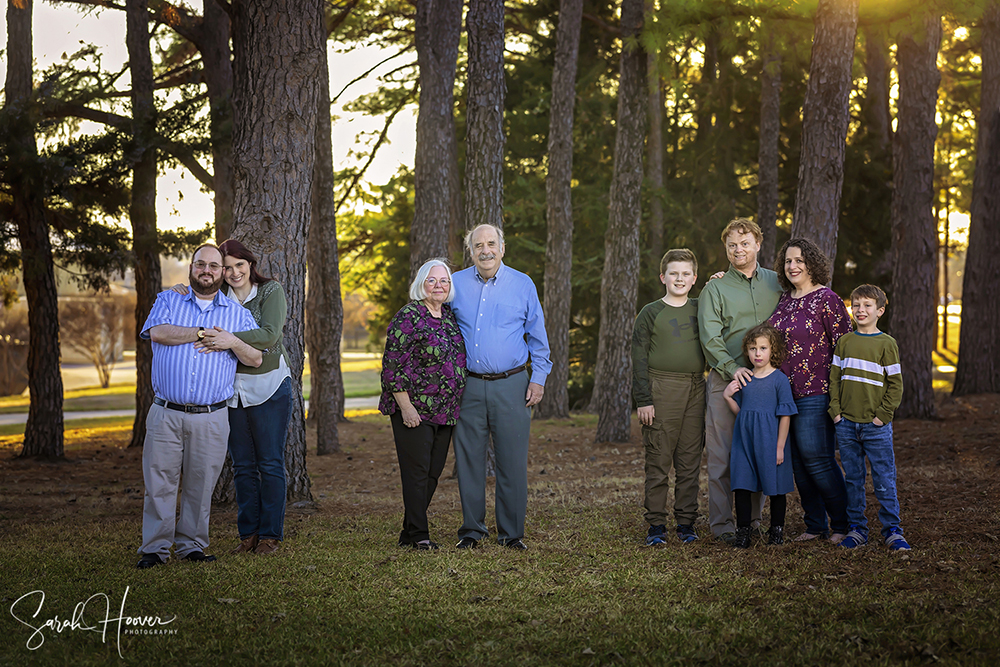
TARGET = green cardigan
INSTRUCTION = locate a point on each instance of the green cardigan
(270, 310)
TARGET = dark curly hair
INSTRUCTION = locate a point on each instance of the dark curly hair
(817, 263)
(764, 330)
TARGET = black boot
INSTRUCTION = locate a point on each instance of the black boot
(776, 535)
(742, 539)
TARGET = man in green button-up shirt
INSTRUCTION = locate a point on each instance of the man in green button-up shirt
(727, 308)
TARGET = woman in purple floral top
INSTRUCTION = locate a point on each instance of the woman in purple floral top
(423, 376)
(812, 317)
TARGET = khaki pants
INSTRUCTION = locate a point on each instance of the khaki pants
(719, 422)
(175, 442)
(675, 438)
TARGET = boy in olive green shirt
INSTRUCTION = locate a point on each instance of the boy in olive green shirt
(668, 385)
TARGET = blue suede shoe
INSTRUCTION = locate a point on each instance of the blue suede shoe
(686, 534)
(896, 541)
(855, 538)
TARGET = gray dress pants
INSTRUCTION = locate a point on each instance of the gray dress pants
(493, 408)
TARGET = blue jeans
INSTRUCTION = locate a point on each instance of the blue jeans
(817, 475)
(257, 446)
(857, 441)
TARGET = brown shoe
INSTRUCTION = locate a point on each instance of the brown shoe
(247, 545)
(267, 546)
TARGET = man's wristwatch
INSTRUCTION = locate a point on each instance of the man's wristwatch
(201, 333)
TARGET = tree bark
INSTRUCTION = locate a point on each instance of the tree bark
(216, 58)
(914, 226)
(558, 286)
(612, 398)
(436, 178)
(142, 208)
(324, 307)
(825, 115)
(43, 434)
(487, 88)
(768, 155)
(979, 344)
(875, 106)
(654, 164)
(276, 93)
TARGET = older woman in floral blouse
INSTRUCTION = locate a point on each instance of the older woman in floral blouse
(812, 317)
(423, 376)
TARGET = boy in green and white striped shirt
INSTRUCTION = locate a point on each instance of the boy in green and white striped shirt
(866, 387)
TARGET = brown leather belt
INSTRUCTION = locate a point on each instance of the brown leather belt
(498, 376)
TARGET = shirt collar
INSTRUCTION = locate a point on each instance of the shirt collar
(496, 276)
(229, 293)
(739, 274)
(218, 300)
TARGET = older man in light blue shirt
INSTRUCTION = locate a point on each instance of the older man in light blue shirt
(502, 322)
(187, 429)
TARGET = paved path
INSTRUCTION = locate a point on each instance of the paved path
(366, 403)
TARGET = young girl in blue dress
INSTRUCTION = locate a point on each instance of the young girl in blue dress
(762, 408)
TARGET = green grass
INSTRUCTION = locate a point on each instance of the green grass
(586, 593)
(357, 384)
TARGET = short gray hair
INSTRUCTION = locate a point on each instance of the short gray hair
(472, 232)
(417, 291)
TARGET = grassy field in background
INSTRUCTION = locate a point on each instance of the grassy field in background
(361, 378)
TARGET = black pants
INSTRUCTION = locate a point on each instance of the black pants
(421, 451)
(743, 506)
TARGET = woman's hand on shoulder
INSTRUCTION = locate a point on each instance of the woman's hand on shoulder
(179, 288)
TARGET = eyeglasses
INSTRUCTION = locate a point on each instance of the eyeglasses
(201, 266)
(444, 282)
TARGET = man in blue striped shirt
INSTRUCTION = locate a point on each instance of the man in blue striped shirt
(501, 320)
(187, 429)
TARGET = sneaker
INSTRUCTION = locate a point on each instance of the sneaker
(686, 534)
(727, 537)
(656, 536)
(896, 541)
(854, 539)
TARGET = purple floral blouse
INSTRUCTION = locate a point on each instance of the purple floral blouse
(811, 325)
(425, 357)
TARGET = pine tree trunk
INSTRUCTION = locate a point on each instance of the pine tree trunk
(914, 227)
(619, 283)
(324, 307)
(43, 434)
(142, 208)
(558, 287)
(768, 155)
(654, 166)
(438, 28)
(875, 106)
(216, 58)
(979, 345)
(825, 115)
(706, 89)
(276, 93)
(485, 141)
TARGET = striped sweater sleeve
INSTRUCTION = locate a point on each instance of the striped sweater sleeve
(893, 395)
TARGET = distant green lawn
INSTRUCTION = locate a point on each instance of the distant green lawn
(357, 384)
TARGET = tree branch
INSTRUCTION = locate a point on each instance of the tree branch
(385, 131)
(364, 75)
(186, 158)
(86, 113)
